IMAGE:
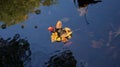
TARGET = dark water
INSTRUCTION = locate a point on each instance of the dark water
(97, 43)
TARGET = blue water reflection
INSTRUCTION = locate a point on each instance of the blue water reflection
(96, 43)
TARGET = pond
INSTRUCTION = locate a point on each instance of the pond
(96, 43)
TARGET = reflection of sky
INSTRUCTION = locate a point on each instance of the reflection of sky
(103, 18)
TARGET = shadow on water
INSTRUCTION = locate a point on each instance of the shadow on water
(82, 6)
(17, 11)
(63, 58)
(14, 52)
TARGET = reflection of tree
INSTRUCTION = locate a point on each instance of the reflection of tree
(14, 52)
(84, 3)
(49, 2)
(15, 11)
(82, 6)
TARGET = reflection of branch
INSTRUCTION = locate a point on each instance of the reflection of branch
(117, 32)
(113, 27)
(109, 38)
(82, 11)
(113, 35)
(86, 16)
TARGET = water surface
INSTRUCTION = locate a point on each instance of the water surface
(97, 43)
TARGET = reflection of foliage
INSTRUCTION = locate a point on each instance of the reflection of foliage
(15, 11)
(62, 59)
(82, 6)
(49, 2)
(84, 3)
(14, 52)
